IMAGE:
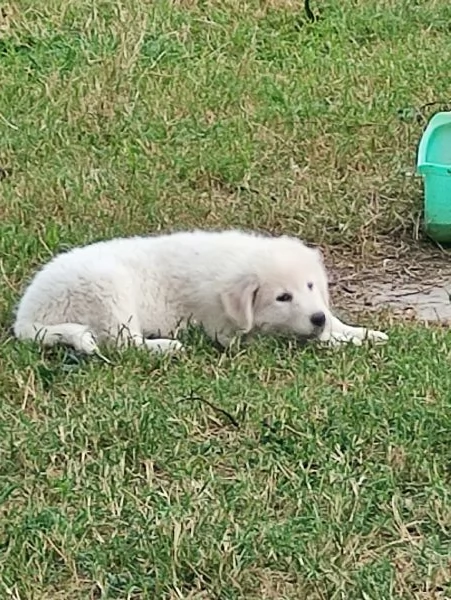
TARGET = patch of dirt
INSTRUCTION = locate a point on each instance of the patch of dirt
(408, 282)
(426, 304)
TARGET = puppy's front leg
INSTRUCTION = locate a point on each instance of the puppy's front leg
(336, 332)
(155, 345)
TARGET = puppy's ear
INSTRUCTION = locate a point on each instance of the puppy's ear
(239, 300)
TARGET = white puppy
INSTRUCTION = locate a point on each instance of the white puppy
(231, 282)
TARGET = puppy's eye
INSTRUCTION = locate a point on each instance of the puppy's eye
(285, 297)
(310, 285)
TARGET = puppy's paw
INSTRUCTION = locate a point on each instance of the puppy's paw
(164, 346)
(87, 342)
(378, 337)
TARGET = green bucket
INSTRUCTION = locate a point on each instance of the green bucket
(434, 164)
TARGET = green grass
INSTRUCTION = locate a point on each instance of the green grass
(268, 472)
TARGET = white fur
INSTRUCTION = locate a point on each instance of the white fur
(126, 290)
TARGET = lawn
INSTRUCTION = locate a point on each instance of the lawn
(271, 471)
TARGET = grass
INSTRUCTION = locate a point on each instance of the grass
(268, 472)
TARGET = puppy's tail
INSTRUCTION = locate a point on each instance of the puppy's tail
(76, 335)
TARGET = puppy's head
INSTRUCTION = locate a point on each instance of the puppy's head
(285, 291)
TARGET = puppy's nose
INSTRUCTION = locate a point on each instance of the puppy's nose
(318, 319)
